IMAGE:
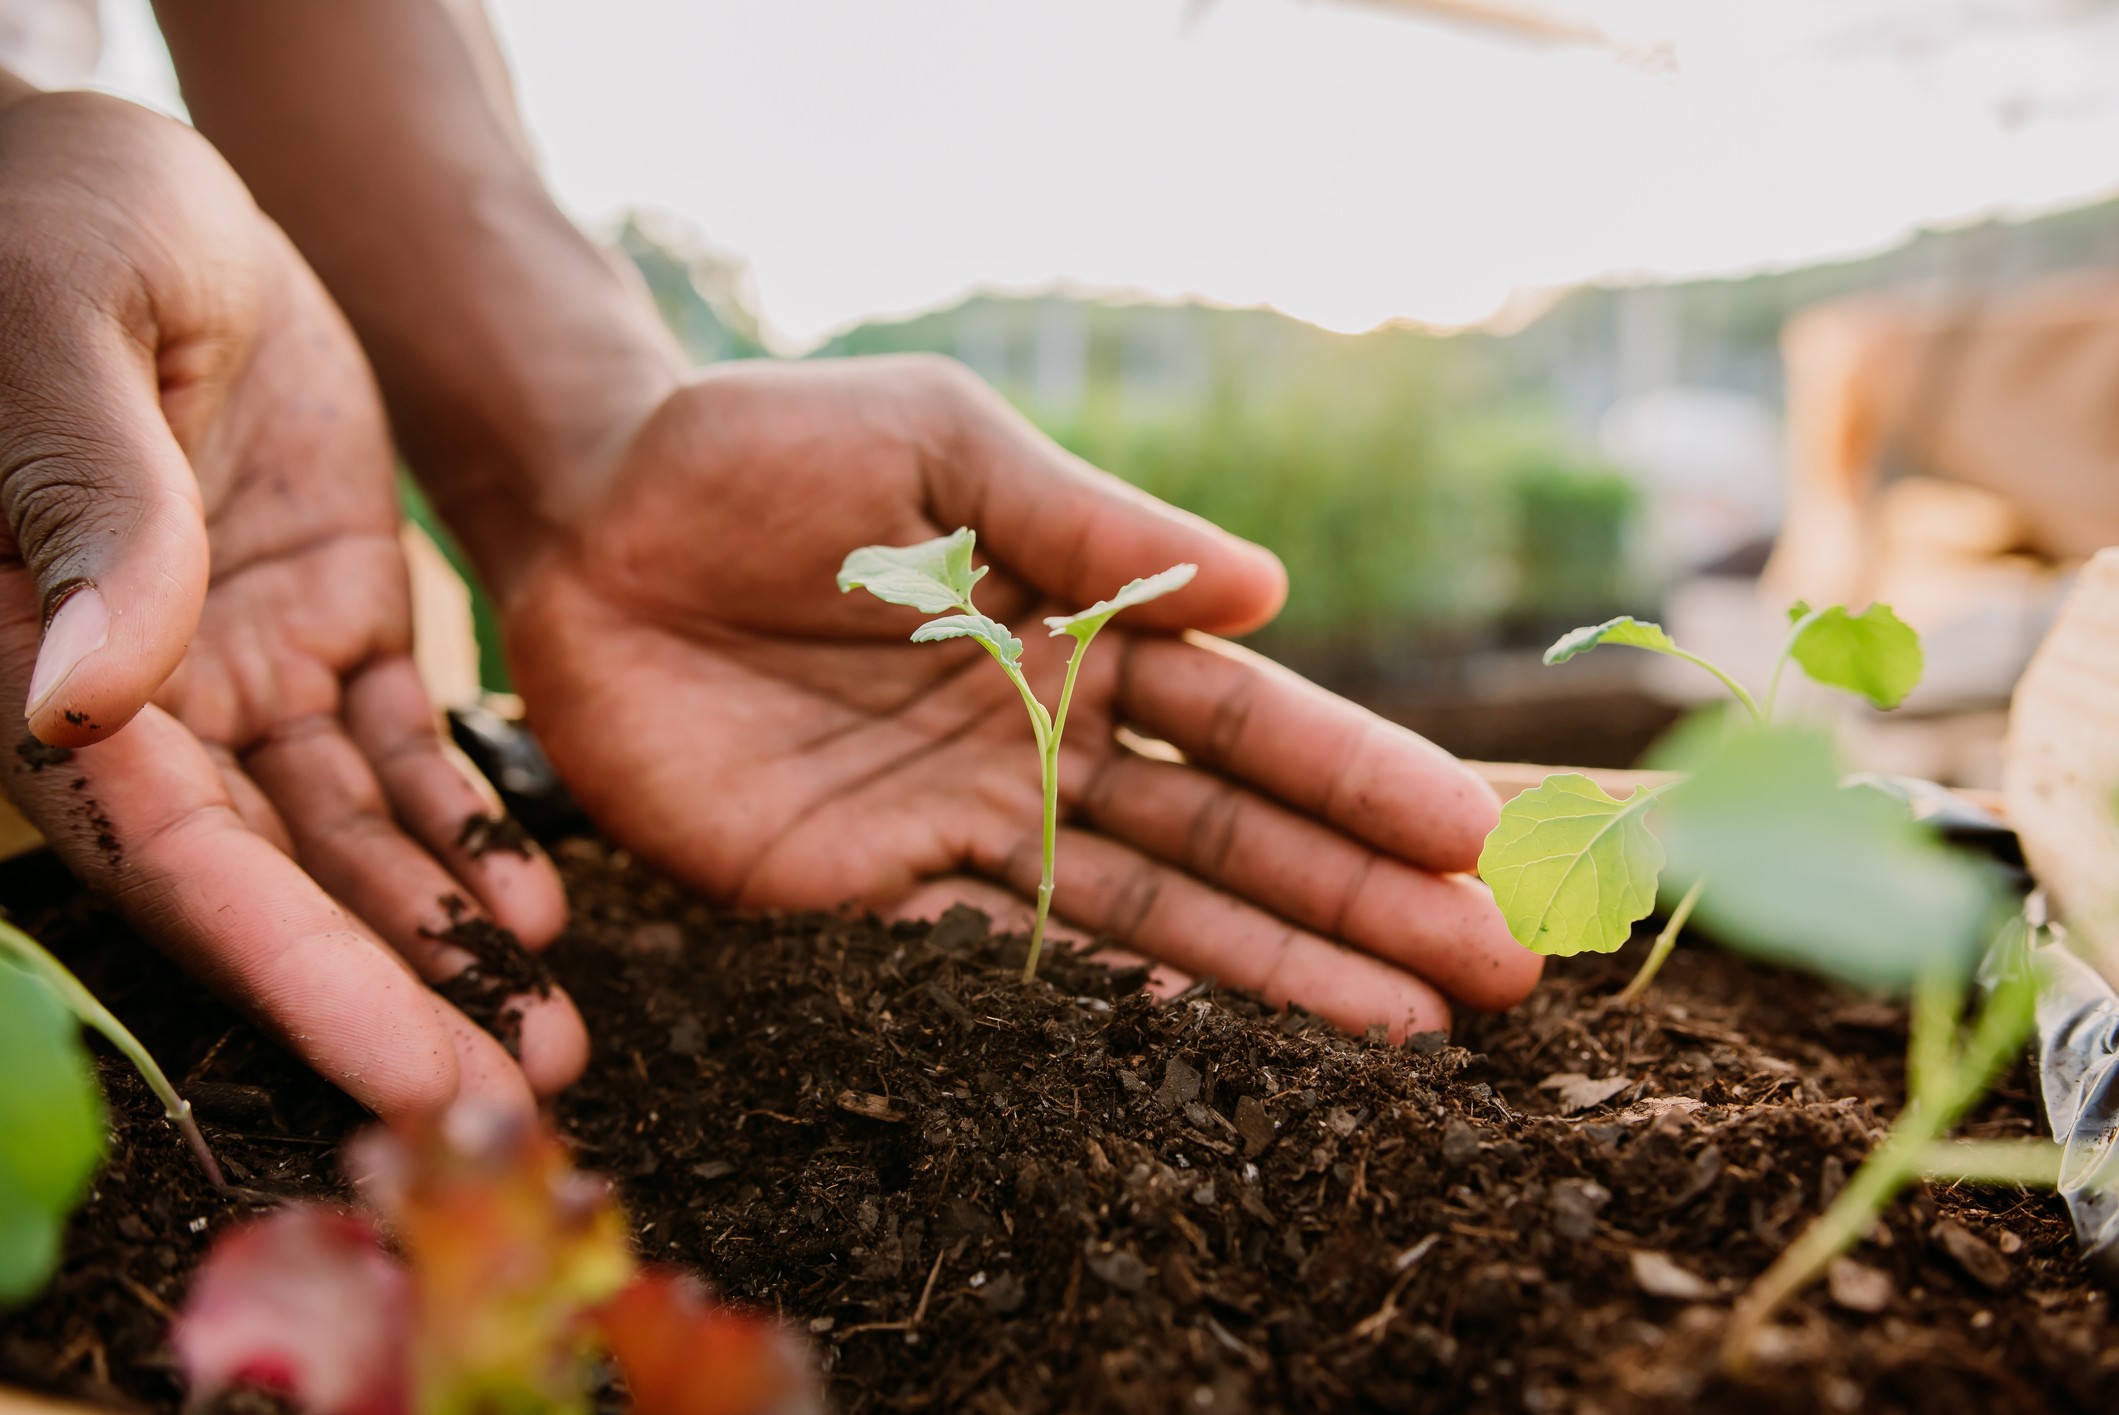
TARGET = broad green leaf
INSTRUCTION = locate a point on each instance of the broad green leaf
(934, 576)
(1625, 630)
(1085, 624)
(51, 1129)
(1804, 871)
(1572, 868)
(1874, 653)
(995, 636)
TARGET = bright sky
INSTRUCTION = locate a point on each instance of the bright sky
(1342, 162)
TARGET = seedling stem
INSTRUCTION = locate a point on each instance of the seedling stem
(937, 577)
(1944, 1079)
(32, 957)
(1664, 942)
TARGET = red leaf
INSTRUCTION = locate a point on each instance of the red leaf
(305, 1303)
(685, 1354)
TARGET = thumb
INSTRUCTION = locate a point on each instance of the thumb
(1078, 533)
(105, 512)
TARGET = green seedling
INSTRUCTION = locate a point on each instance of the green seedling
(936, 577)
(1574, 868)
(1844, 883)
(29, 956)
(51, 1130)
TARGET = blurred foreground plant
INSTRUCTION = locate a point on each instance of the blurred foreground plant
(1574, 869)
(1809, 871)
(51, 1112)
(515, 1273)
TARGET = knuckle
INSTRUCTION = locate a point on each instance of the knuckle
(57, 504)
(1212, 833)
(1231, 715)
(1134, 899)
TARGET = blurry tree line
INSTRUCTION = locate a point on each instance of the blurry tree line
(1442, 486)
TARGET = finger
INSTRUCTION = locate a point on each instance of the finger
(345, 837)
(143, 819)
(487, 1074)
(1255, 721)
(1078, 533)
(1444, 927)
(431, 793)
(102, 507)
(1114, 889)
(249, 802)
(1011, 913)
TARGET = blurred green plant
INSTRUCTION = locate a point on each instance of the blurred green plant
(1387, 508)
(51, 1129)
(1574, 868)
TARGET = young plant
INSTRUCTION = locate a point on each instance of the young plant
(31, 957)
(51, 1110)
(936, 577)
(1843, 882)
(51, 1130)
(515, 1274)
(1574, 868)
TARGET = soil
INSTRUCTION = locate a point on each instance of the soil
(973, 1195)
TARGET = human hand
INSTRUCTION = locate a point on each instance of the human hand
(722, 710)
(191, 441)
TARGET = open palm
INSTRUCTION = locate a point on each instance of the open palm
(194, 380)
(721, 708)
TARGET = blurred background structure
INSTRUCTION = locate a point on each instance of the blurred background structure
(1490, 318)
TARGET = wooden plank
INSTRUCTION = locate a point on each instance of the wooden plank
(22, 1402)
(2061, 762)
(1513, 778)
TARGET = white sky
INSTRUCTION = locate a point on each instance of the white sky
(1341, 162)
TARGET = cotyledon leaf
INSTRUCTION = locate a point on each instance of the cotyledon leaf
(1626, 630)
(934, 576)
(1873, 653)
(1572, 867)
(1085, 624)
(993, 635)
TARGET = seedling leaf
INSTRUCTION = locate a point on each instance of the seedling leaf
(1837, 880)
(934, 576)
(1085, 624)
(51, 1129)
(1874, 653)
(1625, 630)
(1572, 867)
(995, 636)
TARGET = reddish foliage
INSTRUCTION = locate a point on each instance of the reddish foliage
(516, 1266)
(685, 1354)
(305, 1303)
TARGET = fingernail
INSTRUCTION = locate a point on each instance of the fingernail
(81, 626)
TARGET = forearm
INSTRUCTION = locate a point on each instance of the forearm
(515, 360)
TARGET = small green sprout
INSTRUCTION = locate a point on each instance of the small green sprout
(1574, 868)
(1843, 882)
(51, 1130)
(936, 577)
(29, 956)
(1808, 872)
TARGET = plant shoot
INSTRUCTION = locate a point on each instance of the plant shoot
(31, 957)
(1574, 868)
(936, 577)
(51, 1130)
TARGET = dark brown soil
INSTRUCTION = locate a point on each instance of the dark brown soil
(977, 1196)
(486, 835)
(502, 973)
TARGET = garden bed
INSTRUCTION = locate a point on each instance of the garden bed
(977, 1196)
